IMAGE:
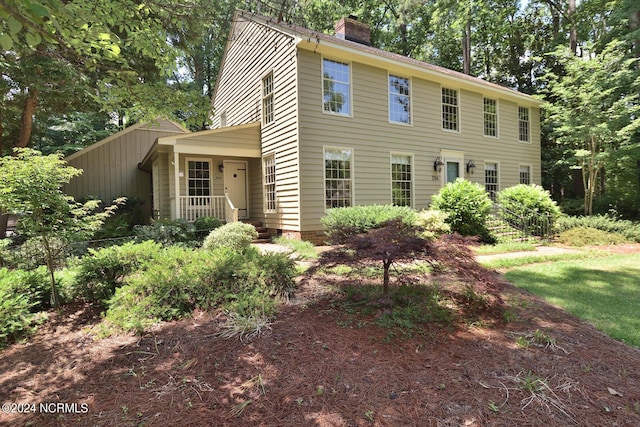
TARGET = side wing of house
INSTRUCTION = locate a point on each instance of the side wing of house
(373, 131)
(257, 84)
(110, 167)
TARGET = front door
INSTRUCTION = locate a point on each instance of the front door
(453, 170)
(235, 184)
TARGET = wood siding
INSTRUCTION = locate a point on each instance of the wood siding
(253, 52)
(110, 167)
(372, 138)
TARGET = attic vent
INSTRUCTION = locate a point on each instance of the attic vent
(349, 28)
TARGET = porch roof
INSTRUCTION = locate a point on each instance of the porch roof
(232, 141)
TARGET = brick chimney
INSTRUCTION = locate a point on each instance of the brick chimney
(349, 28)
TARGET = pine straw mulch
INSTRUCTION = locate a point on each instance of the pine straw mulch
(310, 369)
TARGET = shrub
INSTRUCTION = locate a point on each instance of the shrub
(582, 236)
(529, 206)
(432, 224)
(629, 229)
(180, 280)
(340, 223)
(101, 271)
(236, 236)
(166, 232)
(15, 315)
(205, 224)
(122, 222)
(467, 206)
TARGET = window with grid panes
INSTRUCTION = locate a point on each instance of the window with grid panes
(338, 179)
(401, 179)
(490, 117)
(267, 99)
(491, 179)
(269, 168)
(523, 124)
(199, 181)
(449, 109)
(399, 100)
(336, 87)
(525, 174)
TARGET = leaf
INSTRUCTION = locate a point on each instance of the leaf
(613, 392)
(33, 39)
(39, 9)
(6, 43)
(14, 25)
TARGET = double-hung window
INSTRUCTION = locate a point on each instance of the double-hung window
(399, 100)
(449, 109)
(269, 182)
(490, 117)
(491, 179)
(336, 87)
(523, 124)
(199, 182)
(525, 174)
(401, 179)
(267, 99)
(338, 177)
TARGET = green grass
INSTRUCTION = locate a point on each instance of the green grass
(303, 249)
(602, 291)
(501, 248)
(538, 259)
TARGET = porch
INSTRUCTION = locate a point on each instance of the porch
(194, 207)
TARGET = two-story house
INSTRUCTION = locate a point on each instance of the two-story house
(304, 122)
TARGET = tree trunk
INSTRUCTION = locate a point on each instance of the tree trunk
(466, 48)
(385, 283)
(573, 32)
(4, 219)
(26, 123)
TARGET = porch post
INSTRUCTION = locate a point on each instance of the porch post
(176, 185)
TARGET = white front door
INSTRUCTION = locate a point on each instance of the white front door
(235, 184)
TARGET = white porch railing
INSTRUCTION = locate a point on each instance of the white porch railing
(194, 207)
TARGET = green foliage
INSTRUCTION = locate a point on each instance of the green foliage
(572, 207)
(15, 315)
(432, 224)
(629, 229)
(531, 204)
(339, 223)
(236, 236)
(302, 248)
(179, 280)
(101, 271)
(122, 222)
(467, 205)
(166, 232)
(205, 224)
(583, 236)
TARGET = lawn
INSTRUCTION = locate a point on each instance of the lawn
(603, 291)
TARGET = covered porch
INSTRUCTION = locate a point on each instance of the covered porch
(214, 173)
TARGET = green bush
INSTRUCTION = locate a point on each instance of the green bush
(467, 205)
(18, 301)
(432, 224)
(572, 207)
(531, 206)
(205, 225)
(180, 280)
(101, 271)
(167, 232)
(629, 229)
(583, 236)
(236, 236)
(340, 223)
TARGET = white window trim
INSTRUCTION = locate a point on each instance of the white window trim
(186, 173)
(410, 124)
(264, 184)
(451, 156)
(273, 98)
(459, 105)
(528, 124)
(497, 136)
(411, 162)
(530, 166)
(324, 179)
(498, 177)
(351, 107)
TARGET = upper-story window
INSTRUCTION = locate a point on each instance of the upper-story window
(523, 124)
(449, 109)
(336, 87)
(399, 100)
(267, 99)
(490, 117)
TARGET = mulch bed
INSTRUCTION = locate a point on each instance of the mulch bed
(309, 370)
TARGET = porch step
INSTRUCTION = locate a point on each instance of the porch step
(264, 235)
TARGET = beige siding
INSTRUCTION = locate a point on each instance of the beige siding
(254, 51)
(110, 167)
(371, 136)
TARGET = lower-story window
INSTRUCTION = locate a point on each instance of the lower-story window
(269, 168)
(338, 177)
(491, 179)
(525, 174)
(401, 179)
(199, 183)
